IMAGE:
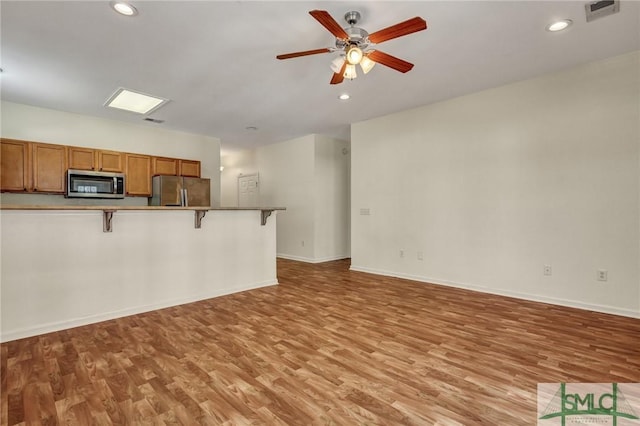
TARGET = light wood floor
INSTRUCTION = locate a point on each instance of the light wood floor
(326, 346)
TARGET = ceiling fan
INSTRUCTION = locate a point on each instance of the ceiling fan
(357, 46)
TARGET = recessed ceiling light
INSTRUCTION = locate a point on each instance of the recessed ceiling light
(124, 8)
(251, 128)
(344, 97)
(559, 25)
(134, 101)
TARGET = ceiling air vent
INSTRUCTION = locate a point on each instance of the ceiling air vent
(602, 8)
(154, 120)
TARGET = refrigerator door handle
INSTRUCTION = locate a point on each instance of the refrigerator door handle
(185, 199)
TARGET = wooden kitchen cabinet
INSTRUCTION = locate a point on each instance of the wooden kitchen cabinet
(81, 158)
(95, 159)
(110, 161)
(165, 166)
(138, 170)
(40, 167)
(189, 168)
(49, 167)
(16, 165)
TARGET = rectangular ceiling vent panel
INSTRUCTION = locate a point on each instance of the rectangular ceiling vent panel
(600, 9)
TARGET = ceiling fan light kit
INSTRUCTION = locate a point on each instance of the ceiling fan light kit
(355, 45)
(366, 64)
(354, 55)
(350, 72)
(336, 64)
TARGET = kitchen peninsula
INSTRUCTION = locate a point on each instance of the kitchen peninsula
(66, 266)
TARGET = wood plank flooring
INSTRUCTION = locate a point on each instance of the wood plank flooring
(326, 346)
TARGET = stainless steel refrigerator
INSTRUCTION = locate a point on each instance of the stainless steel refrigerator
(180, 191)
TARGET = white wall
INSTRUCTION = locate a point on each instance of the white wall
(51, 126)
(492, 186)
(310, 177)
(286, 180)
(331, 174)
(235, 164)
(59, 270)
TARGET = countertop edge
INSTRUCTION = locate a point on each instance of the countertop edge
(130, 208)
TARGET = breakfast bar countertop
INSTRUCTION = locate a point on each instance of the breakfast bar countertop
(108, 211)
(114, 208)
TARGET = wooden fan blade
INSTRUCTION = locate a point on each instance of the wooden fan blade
(390, 61)
(329, 23)
(339, 77)
(304, 53)
(398, 30)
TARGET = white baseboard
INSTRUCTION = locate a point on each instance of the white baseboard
(525, 296)
(105, 316)
(312, 260)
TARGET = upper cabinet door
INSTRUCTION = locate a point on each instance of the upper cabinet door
(189, 168)
(110, 161)
(138, 180)
(15, 167)
(165, 166)
(81, 158)
(49, 167)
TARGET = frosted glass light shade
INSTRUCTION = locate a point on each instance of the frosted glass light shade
(354, 55)
(350, 72)
(336, 64)
(366, 64)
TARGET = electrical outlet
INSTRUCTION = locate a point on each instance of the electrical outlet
(401, 253)
(420, 255)
(365, 212)
(547, 269)
(603, 275)
(302, 242)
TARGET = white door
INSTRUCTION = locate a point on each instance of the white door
(249, 191)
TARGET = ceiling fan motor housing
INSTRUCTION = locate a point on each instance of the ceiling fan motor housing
(357, 37)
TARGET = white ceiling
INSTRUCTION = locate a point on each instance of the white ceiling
(216, 61)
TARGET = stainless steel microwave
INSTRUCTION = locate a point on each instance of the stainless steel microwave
(88, 184)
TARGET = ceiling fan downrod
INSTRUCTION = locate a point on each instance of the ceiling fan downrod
(357, 36)
(352, 17)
